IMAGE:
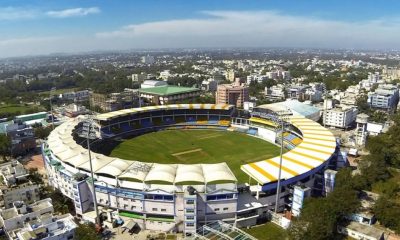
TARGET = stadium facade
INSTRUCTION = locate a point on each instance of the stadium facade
(183, 197)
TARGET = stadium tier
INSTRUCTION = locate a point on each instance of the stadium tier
(178, 197)
(307, 157)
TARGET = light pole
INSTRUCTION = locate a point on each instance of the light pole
(278, 187)
(52, 90)
(89, 132)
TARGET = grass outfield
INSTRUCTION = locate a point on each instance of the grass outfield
(197, 146)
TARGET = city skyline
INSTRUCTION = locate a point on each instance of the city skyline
(43, 27)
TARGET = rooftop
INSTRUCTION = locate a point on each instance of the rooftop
(168, 90)
(365, 229)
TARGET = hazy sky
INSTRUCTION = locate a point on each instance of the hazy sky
(30, 27)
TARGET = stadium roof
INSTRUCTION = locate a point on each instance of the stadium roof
(318, 146)
(125, 112)
(296, 107)
(167, 90)
(63, 146)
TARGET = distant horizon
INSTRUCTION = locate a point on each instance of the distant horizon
(160, 50)
(35, 27)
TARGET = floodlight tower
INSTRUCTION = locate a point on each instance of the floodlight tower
(89, 132)
(52, 90)
(279, 119)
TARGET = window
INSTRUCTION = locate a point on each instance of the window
(163, 210)
(189, 217)
(133, 207)
(154, 209)
(189, 224)
(216, 209)
(189, 210)
(226, 209)
(190, 201)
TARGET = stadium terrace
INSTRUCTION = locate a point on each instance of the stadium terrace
(183, 197)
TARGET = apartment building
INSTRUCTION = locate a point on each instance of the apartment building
(340, 117)
(386, 96)
(14, 185)
(235, 94)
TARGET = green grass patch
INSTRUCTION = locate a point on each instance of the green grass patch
(197, 146)
(268, 231)
(130, 215)
(59, 91)
(18, 109)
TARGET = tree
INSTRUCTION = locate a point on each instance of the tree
(387, 212)
(35, 177)
(320, 216)
(42, 132)
(86, 231)
(5, 146)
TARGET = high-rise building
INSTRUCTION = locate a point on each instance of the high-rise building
(235, 94)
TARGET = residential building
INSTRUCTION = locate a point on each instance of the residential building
(361, 130)
(169, 94)
(340, 117)
(391, 73)
(77, 96)
(20, 213)
(21, 135)
(275, 93)
(360, 231)
(148, 59)
(235, 94)
(164, 75)
(15, 186)
(297, 92)
(209, 85)
(48, 228)
(33, 118)
(386, 96)
(153, 83)
(230, 75)
(138, 77)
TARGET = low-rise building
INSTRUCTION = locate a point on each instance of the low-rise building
(15, 186)
(361, 231)
(153, 83)
(138, 77)
(76, 96)
(209, 85)
(21, 136)
(20, 213)
(340, 117)
(275, 93)
(169, 94)
(386, 97)
(129, 98)
(47, 228)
